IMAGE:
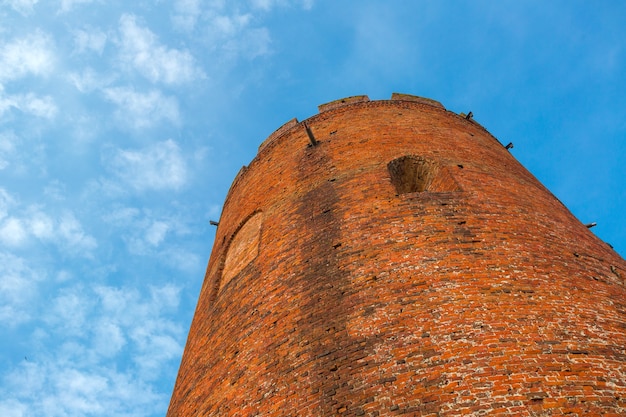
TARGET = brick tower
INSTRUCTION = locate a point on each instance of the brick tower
(389, 258)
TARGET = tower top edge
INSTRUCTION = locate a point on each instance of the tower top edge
(327, 109)
(347, 102)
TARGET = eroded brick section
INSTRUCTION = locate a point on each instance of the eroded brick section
(480, 295)
(243, 249)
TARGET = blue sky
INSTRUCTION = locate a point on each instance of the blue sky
(123, 124)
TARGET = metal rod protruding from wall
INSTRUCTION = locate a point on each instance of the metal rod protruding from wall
(310, 135)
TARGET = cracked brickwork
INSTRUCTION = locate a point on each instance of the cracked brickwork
(480, 295)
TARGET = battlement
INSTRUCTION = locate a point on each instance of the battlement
(342, 102)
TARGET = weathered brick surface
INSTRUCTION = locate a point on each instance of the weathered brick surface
(243, 248)
(481, 295)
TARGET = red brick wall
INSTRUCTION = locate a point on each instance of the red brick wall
(486, 297)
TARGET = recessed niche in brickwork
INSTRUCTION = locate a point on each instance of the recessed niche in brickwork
(243, 248)
(415, 174)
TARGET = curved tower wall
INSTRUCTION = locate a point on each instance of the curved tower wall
(390, 257)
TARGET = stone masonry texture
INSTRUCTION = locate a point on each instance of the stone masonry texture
(392, 258)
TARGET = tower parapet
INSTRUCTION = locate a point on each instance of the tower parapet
(392, 257)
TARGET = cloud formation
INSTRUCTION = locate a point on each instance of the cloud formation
(142, 110)
(25, 7)
(29, 55)
(22, 225)
(234, 34)
(266, 5)
(98, 325)
(186, 13)
(158, 167)
(18, 288)
(7, 147)
(31, 104)
(67, 5)
(141, 51)
(89, 40)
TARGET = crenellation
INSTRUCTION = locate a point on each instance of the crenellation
(416, 99)
(278, 133)
(342, 102)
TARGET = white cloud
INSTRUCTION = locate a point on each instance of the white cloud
(73, 237)
(155, 347)
(166, 297)
(186, 14)
(117, 340)
(229, 26)
(86, 40)
(7, 149)
(262, 4)
(55, 190)
(6, 201)
(68, 312)
(115, 301)
(255, 43)
(150, 336)
(182, 259)
(141, 50)
(29, 103)
(16, 153)
(37, 106)
(142, 110)
(25, 7)
(155, 339)
(19, 224)
(232, 29)
(160, 166)
(12, 232)
(18, 287)
(67, 5)
(269, 4)
(109, 338)
(88, 80)
(13, 408)
(66, 389)
(6, 103)
(147, 234)
(32, 54)
(235, 36)
(84, 81)
(66, 232)
(122, 217)
(156, 232)
(80, 391)
(41, 226)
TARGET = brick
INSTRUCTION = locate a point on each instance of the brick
(450, 282)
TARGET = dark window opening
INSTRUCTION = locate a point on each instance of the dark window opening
(415, 174)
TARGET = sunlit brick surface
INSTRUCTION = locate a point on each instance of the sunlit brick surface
(480, 295)
(244, 247)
